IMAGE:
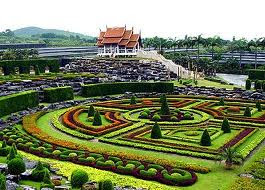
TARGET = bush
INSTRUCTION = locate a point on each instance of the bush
(38, 172)
(187, 116)
(156, 117)
(156, 132)
(258, 84)
(12, 153)
(106, 185)
(17, 102)
(133, 100)
(248, 84)
(16, 166)
(78, 178)
(103, 89)
(164, 106)
(56, 152)
(205, 138)
(174, 118)
(258, 106)
(91, 111)
(2, 181)
(221, 103)
(247, 112)
(4, 150)
(226, 126)
(144, 115)
(72, 155)
(58, 94)
(146, 110)
(97, 119)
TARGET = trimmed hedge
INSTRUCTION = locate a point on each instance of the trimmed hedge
(256, 74)
(24, 65)
(17, 102)
(122, 87)
(58, 94)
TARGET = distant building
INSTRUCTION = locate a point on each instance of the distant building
(118, 41)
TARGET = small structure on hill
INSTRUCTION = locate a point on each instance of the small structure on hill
(118, 41)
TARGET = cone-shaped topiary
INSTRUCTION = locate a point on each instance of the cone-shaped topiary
(248, 84)
(247, 112)
(91, 111)
(205, 138)
(47, 177)
(97, 119)
(226, 126)
(37, 70)
(222, 102)
(162, 98)
(12, 153)
(133, 100)
(156, 131)
(258, 106)
(164, 107)
(15, 147)
(4, 144)
(38, 172)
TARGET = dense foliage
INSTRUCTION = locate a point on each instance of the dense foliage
(78, 178)
(58, 94)
(17, 102)
(205, 138)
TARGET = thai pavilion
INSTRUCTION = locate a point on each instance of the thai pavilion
(118, 41)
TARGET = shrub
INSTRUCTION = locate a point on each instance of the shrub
(56, 152)
(205, 138)
(4, 150)
(174, 118)
(146, 110)
(133, 100)
(38, 172)
(177, 110)
(226, 126)
(47, 177)
(164, 106)
(221, 102)
(37, 70)
(2, 181)
(258, 106)
(248, 84)
(91, 111)
(144, 115)
(156, 131)
(156, 117)
(247, 112)
(187, 116)
(72, 155)
(58, 94)
(12, 153)
(16, 166)
(91, 159)
(106, 185)
(97, 119)
(78, 178)
(258, 84)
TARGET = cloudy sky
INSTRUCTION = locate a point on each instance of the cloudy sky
(165, 18)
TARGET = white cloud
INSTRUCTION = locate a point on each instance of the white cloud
(166, 18)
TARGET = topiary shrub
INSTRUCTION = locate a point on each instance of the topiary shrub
(164, 106)
(97, 119)
(2, 181)
(16, 166)
(248, 84)
(133, 100)
(56, 152)
(174, 118)
(91, 111)
(38, 172)
(221, 102)
(12, 153)
(258, 84)
(72, 155)
(4, 150)
(146, 110)
(247, 112)
(106, 185)
(226, 126)
(156, 132)
(205, 138)
(144, 115)
(47, 177)
(156, 117)
(78, 178)
(258, 106)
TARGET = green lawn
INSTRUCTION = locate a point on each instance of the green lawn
(207, 83)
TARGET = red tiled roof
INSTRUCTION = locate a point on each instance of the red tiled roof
(124, 42)
(101, 35)
(131, 44)
(120, 36)
(127, 34)
(111, 40)
(134, 37)
(116, 32)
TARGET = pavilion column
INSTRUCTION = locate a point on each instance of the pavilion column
(104, 49)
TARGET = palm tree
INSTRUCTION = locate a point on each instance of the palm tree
(230, 156)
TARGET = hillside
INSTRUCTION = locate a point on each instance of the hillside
(29, 31)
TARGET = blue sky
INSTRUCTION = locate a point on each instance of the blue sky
(165, 18)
